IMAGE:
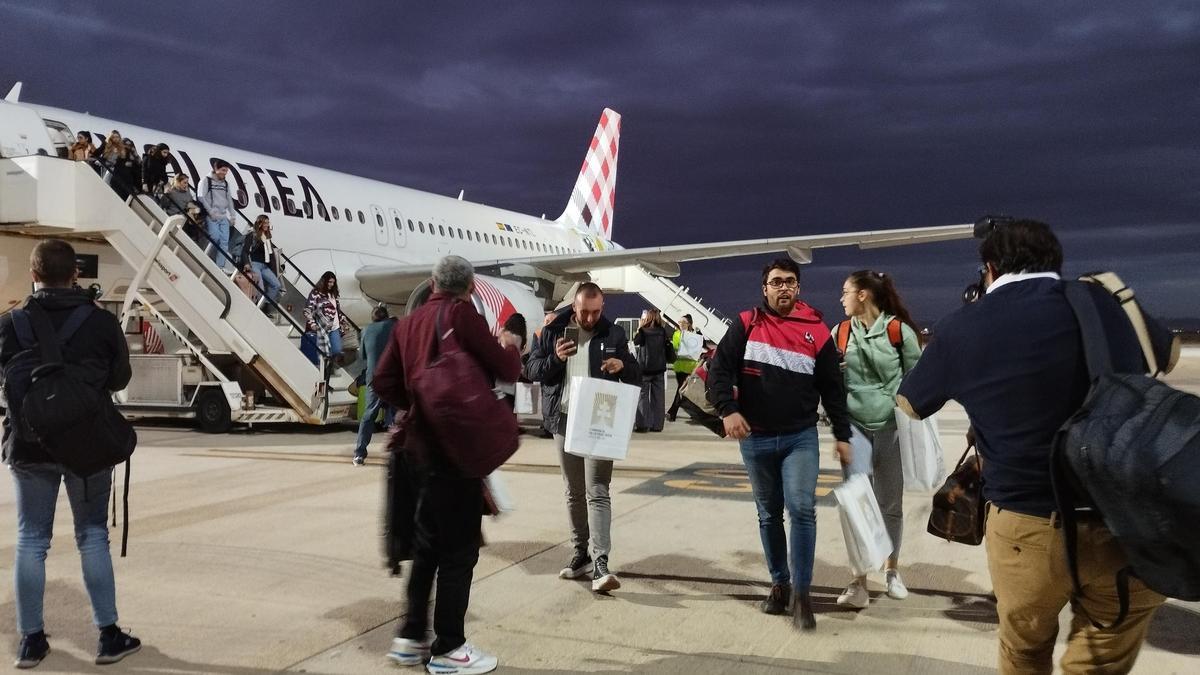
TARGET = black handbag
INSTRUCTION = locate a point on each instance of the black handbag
(959, 510)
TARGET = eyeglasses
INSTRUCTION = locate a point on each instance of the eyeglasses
(783, 283)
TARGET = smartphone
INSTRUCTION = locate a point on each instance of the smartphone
(571, 333)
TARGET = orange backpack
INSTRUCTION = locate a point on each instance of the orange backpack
(894, 332)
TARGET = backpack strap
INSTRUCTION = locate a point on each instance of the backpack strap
(842, 337)
(749, 319)
(1124, 295)
(895, 331)
(1091, 329)
(1096, 352)
(23, 328)
(74, 322)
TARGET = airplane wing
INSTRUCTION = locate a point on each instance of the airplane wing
(393, 283)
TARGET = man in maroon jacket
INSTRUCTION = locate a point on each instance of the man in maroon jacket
(449, 507)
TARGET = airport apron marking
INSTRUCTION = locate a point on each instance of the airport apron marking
(722, 481)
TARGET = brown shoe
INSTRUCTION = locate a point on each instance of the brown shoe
(777, 600)
(802, 613)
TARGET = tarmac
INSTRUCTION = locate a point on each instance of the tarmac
(259, 551)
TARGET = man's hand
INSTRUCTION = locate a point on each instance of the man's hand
(564, 349)
(510, 339)
(736, 426)
(612, 366)
(843, 453)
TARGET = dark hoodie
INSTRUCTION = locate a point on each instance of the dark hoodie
(782, 366)
(97, 353)
(608, 342)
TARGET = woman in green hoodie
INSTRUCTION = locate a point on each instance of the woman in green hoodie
(879, 346)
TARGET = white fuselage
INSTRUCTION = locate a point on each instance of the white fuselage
(327, 220)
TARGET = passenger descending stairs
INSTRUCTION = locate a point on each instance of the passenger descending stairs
(72, 201)
(673, 300)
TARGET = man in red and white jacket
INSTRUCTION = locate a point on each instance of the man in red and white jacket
(783, 362)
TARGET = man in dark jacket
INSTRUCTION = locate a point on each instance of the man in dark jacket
(449, 507)
(783, 363)
(375, 338)
(98, 355)
(602, 351)
(1014, 360)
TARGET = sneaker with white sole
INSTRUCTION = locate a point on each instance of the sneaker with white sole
(855, 596)
(466, 660)
(581, 564)
(406, 652)
(895, 585)
(603, 581)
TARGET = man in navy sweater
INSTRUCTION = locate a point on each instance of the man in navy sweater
(1014, 360)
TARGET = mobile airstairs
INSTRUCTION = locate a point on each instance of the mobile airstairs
(226, 360)
(671, 299)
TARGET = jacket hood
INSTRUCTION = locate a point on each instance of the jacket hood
(801, 312)
(61, 298)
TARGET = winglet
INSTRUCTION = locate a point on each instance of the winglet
(14, 94)
(591, 205)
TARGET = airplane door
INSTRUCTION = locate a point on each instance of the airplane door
(381, 226)
(398, 237)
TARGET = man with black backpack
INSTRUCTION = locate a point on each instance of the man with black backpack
(1015, 360)
(93, 355)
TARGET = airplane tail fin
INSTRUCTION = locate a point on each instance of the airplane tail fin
(592, 202)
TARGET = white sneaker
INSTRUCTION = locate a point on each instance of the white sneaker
(854, 596)
(895, 585)
(466, 660)
(407, 652)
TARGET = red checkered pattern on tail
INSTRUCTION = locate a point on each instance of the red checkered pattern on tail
(495, 301)
(151, 343)
(595, 194)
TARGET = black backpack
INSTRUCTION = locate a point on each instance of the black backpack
(1132, 453)
(74, 422)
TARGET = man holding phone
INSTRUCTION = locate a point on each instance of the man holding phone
(582, 342)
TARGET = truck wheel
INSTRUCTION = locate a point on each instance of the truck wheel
(212, 411)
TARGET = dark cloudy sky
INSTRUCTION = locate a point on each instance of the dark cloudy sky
(740, 120)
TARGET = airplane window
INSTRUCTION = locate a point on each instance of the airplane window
(321, 210)
(422, 226)
(411, 227)
(399, 225)
(460, 234)
(379, 219)
(275, 202)
(451, 229)
(335, 213)
(361, 218)
(258, 200)
(291, 206)
(348, 216)
(308, 210)
(441, 231)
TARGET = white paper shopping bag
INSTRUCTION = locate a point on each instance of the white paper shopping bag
(600, 416)
(920, 453)
(867, 542)
(527, 399)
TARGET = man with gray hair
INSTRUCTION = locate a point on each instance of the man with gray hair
(449, 506)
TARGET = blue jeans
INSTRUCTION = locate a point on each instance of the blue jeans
(366, 425)
(36, 490)
(270, 282)
(783, 472)
(218, 234)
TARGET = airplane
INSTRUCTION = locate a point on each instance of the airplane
(382, 240)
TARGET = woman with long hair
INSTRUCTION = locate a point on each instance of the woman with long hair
(878, 341)
(83, 148)
(324, 319)
(260, 256)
